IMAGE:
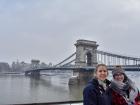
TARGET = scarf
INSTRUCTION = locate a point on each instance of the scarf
(120, 87)
(127, 90)
(103, 84)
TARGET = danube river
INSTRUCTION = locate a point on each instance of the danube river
(19, 89)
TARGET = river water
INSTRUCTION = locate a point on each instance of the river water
(19, 89)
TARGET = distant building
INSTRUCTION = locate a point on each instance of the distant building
(43, 65)
(4, 67)
(20, 66)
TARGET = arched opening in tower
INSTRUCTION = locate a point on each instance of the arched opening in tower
(89, 59)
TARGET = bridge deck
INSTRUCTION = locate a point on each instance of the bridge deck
(127, 68)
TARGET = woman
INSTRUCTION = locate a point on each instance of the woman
(123, 90)
(95, 92)
(137, 100)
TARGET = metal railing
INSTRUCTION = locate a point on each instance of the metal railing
(79, 102)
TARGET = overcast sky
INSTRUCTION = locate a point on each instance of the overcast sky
(47, 29)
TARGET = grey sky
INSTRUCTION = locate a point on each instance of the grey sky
(47, 29)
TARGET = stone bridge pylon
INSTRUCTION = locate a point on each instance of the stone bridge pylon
(86, 56)
(86, 53)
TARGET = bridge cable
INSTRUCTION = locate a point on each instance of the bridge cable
(65, 59)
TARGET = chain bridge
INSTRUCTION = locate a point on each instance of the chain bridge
(87, 56)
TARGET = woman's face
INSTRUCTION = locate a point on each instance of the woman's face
(101, 73)
(119, 77)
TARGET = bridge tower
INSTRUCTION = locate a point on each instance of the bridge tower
(86, 53)
(86, 56)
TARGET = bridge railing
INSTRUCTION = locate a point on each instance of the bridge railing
(78, 102)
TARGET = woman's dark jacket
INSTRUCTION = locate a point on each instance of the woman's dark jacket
(94, 94)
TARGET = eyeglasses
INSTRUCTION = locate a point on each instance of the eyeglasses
(119, 74)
